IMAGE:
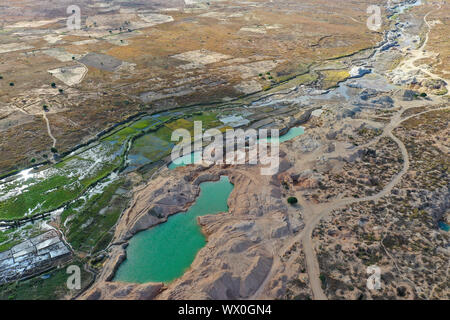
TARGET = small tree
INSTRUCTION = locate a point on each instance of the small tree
(11, 84)
(292, 200)
(53, 85)
(54, 150)
(323, 279)
(45, 108)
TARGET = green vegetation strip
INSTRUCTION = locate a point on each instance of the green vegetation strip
(63, 187)
(88, 225)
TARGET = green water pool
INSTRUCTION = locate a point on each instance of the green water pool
(291, 134)
(165, 252)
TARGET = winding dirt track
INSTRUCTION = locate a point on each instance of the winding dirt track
(315, 213)
(48, 129)
(305, 237)
(311, 259)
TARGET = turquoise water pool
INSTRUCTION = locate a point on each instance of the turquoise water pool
(163, 253)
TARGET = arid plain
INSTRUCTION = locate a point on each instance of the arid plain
(85, 123)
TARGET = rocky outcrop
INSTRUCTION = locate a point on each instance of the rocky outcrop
(252, 279)
(118, 255)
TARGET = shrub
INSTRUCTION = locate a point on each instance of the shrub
(323, 279)
(54, 150)
(292, 200)
(53, 85)
(11, 84)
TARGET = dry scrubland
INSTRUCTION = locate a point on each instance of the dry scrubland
(370, 174)
(397, 232)
(132, 58)
(380, 188)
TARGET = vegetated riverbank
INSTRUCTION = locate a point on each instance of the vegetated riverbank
(117, 146)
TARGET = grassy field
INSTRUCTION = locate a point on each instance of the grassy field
(70, 178)
(51, 193)
(67, 181)
(333, 77)
(88, 224)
